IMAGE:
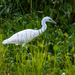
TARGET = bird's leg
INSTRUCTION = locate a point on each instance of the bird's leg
(23, 44)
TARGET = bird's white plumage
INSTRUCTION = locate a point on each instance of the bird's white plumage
(27, 35)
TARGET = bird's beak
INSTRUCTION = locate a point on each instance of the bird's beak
(53, 22)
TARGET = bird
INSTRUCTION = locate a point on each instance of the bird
(25, 36)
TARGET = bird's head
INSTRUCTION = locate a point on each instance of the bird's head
(48, 19)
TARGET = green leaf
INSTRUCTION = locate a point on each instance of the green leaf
(55, 47)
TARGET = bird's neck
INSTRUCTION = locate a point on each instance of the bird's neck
(44, 27)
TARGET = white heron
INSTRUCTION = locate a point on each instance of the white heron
(25, 36)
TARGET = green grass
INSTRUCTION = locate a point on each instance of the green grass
(52, 52)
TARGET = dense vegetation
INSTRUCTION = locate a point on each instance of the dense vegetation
(51, 53)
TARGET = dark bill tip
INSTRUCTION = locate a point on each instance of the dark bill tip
(58, 24)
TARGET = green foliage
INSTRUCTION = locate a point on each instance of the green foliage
(51, 53)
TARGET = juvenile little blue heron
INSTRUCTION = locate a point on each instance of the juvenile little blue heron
(25, 36)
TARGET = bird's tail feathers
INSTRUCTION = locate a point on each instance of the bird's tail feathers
(5, 41)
